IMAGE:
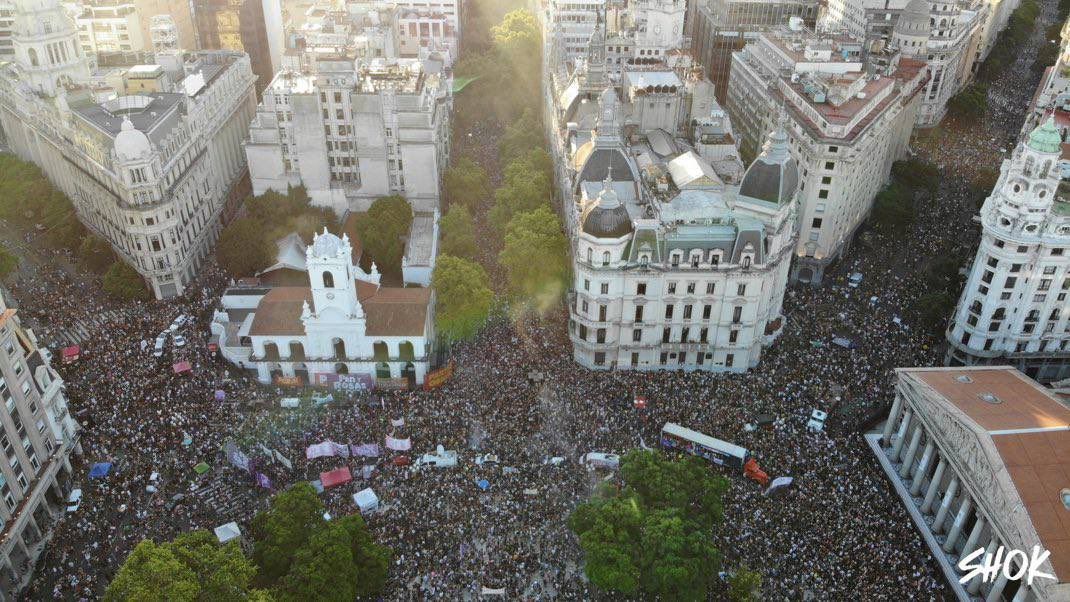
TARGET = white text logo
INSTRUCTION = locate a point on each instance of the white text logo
(1027, 567)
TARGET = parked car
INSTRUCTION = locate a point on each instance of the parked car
(180, 341)
(179, 322)
(74, 500)
(440, 459)
(487, 459)
(854, 279)
(157, 349)
(601, 460)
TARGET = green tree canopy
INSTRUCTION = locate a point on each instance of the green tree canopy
(525, 188)
(970, 103)
(193, 567)
(383, 231)
(8, 262)
(893, 209)
(466, 183)
(463, 297)
(458, 233)
(653, 537)
(244, 248)
(123, 282)
(95, 254)
(745, 585)
(30, 202)
(520, 137)
(934, 309)
(286, 527)
(535, 257)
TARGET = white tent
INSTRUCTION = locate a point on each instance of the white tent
(366, 500)
(227, 532)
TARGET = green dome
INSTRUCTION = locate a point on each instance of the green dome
(1046, 138)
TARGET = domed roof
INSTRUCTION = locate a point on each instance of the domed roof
(1045, 138)
(131, 143)
(606, 217)
(774, 176)
(326, 244)
(914, 20)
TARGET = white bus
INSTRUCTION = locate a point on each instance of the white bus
(674, 436)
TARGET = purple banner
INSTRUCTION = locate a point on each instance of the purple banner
(354, 382)
(370, 450)
(263, 481)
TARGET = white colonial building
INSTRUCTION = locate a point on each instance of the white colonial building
(151, 172)
(979, 458)
(317, 313)
(673, 267)
(849, 118)
(1014, 307)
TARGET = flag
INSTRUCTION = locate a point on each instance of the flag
(263, 481)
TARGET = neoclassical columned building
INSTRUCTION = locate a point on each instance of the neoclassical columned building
(981, 459)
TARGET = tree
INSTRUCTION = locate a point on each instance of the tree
(518, 46)
(285, 528)
(466, 183)
(384, 230)
(521, 136)
(970, 103)
(123, 282)
(193, 567)
(95, 254)
(934, 309)
(244, 248)
(525, 189)
(305, 557)
(463, 297)
(458, 233)
(913, 173)
(8, 263)
(745, 585)
(652, 537)
(893, 209)
(536, 234)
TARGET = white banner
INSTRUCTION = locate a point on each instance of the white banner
(319, 450)
(398, 444)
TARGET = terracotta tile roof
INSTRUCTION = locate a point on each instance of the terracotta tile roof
(1039, 465)
(1022, 403)
(279, 312)
(389, 312)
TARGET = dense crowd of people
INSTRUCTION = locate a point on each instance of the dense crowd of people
(838, 532)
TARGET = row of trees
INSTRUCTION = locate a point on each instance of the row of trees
(653, 537)
(893, 209)
(297, 555)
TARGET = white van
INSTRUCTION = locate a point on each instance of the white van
(601, 460)
(440, 459)
(157, 349)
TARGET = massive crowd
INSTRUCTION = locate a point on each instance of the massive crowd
(837, 533)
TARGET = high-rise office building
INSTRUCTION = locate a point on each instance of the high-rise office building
(250, 26)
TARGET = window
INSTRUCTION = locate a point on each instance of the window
(605, 258)
(993, 262)
(590, 255)
(666, 334)
(706, 312)
(599, 358)
(672, 288)
(737, 315)
(733, 336)
(729, 360)
(741, 290)
(668, 312)
(637, 335)
(639, 313)
(684, 334)
(816, 223)
(601, 313)
(687, 311)
(1011, 281)
(635, 359)
(605, 288)
(664, 358)
(328, 280)
(703, 335)
(600, 335)
(1016, 267)
(691, 288)
(584, 307)
(640, 289)
(709, 288)
(586, 285)
(830, 165)
(1049, 270)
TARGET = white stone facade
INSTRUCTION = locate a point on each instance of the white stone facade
(846, 128)
(1014, 309)
(111, 27)
(351, 135)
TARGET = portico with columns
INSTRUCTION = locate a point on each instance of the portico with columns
(965, 450)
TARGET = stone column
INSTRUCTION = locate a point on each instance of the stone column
(934, 483)
(923, 467)
(893, 418)
(996, 593)
(903, 426)
(975, 583)
(960, 519)
(949, 496)
(975, 535)
(912, 449)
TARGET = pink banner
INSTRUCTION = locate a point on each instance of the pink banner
(398, 444)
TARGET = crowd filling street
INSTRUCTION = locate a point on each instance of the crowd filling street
(837, 533)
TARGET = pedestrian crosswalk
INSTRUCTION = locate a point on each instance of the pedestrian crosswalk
(85, 329)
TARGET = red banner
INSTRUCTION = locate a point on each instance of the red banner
(437, 378)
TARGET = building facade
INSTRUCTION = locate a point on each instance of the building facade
(848, 121)
(253, 27)
(1013, 309)
(38, 435)
(111, 26)
(693, 279)
(974, 455)
(316, 315)
(180, 12)
(150, 172)
(351, 134)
